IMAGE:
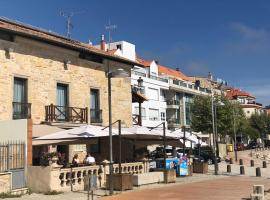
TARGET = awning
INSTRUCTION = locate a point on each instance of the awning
(81, 134)
(43, 129)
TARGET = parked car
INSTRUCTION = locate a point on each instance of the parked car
(240, 147)
(206, 155)
(252, 145)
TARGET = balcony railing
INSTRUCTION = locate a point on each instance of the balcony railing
(66, 114)
(95, 116)
(139, 73)
(173, 102)
(165, 80)
(21, 110)
(254, 103)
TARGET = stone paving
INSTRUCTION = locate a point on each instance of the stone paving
(229, 188)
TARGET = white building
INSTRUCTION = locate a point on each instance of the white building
(246, 100)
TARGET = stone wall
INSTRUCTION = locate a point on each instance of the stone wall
(5, 182)
(43, 67)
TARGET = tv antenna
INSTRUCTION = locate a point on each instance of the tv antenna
(110, 27)
(68, 16)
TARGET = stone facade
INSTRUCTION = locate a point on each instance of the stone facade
(5, 182)
(43, 67)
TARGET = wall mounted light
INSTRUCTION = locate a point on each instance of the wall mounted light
(66, 63)
(8, 52)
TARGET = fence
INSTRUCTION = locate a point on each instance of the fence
(12, 156)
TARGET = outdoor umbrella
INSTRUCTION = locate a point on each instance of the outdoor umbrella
(88, 131)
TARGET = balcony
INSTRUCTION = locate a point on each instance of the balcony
(173, 104)
(21, 110)
(139, 73)
(173, 123)
(165, 80)
(54, 113)
(95, 116)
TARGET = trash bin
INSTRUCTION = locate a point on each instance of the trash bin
(229, 147)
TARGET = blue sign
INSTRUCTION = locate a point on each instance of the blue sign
(183, 166)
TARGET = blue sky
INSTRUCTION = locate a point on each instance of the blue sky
(229, 38)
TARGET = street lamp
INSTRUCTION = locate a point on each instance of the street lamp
(119, 73)
(215, 133)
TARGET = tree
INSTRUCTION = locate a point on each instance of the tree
(260, 123)
(229, 116)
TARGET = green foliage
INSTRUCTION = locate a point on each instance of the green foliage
(53, 192)
(229, 116)
(46, 158)
(260, 123)
(9, 195)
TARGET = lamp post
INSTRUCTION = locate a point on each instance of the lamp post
(119, 73)
(234, 132)
(215, 134)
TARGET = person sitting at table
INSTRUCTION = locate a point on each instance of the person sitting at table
(75, 160)
(90, 160)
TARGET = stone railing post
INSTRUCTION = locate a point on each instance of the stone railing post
(106, 169)
(145, 165)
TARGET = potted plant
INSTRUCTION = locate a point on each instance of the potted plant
(49, 159)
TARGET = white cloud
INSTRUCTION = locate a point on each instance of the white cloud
(250, 33)
(250, 39)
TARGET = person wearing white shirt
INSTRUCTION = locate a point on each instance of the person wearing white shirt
(90, 159)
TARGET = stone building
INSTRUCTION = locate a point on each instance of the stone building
(58, 81)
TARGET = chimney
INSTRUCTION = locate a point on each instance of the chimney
(102, 43)
(177, 69)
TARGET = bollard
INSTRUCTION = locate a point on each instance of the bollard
(229, 168)
(264, 164)
(258, 172)
(231, 161)
(251, 163)
(241, 162)
(242, 170)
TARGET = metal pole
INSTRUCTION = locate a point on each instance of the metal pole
(164, 145)
(184, 141)
(215, 160)
(234, 131)
(213, 126)
(120, 146)
(110, 133)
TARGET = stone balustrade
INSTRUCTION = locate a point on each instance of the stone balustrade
(43, 179)
(130, 168)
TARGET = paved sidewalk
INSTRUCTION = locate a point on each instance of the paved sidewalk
(230, 188)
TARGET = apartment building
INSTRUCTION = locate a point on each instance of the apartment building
(169, 92)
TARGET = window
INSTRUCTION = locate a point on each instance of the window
(79, 147)
(20, 90)
(162, 116)
(153, 114)
(153, 94)
(162, 95)
(136, 112)
(188, 101)
(95, 112)
(62, 100)
(21, 108)
(119, 46)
